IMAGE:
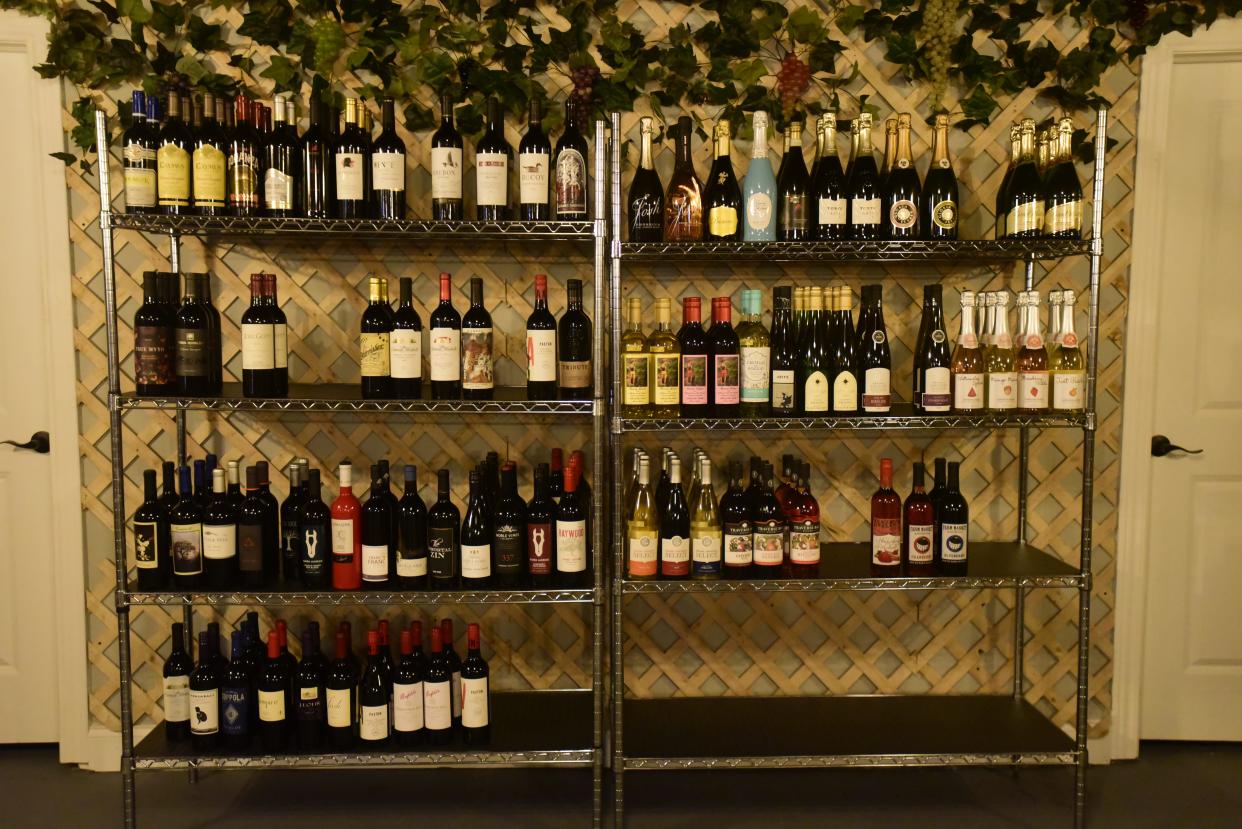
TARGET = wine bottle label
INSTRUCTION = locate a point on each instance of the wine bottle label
(375, 356)
(209, 167)
(235, 710)
(571, 546)
(725, 377)
(768, 544)
(407, 706)
(783, 386)
(832, 212)
(815, 393)
(250, 548)
(440, 553)
(944, 214)
(793, 211)
(438, 705)
(643, 549)
(455, 692)
(936, 389)
(313, 557)
(342, 540)
(474, 707)
(571, 183)
(953, 542)
(902, 214)
(147, 545)
(509, 545)
(541, 355)
(865, 211)
(191, 358)
(243, 172)
(446, 168)
(258, 346)
(374, 562)
(405, 354)
(349, 179)
(204, 711)
(694, 379)
(1069, 390)
(533, 178)
(683, 217)
(738, 544)
(177, 698)
(289, 536)
(877, 393)
(1062, 217)
(705, 549)
(1002, 390)
(804, 542)
(445, 355)
(919, 547)
(539, 544)
(411, 567)
(219, 541)
(667, 384)
(636, 385)
(340, 708)
(139, 184)
(759, 212)
(575, 374)
(722, 221)
(310, 705)
(845, 392)
(187, 549)
(476, 358)
(373, 723)
(277, 189)
(491, 176)
(1032, 390)
(280, 345)
(675, 556)
(1026, 217)
(755, 362)
(271, 706)
(388, 171)
(173, 180)
(476, 561)
(886, 542)
(967, 391)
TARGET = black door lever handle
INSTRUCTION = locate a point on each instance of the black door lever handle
(39, 442)
(1161, 446)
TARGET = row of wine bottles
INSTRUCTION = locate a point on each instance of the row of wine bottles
(261, 699)
(928, 535)
(813, 361)
(861, 201)
(177, 343)
(217, 537)
(211, 156)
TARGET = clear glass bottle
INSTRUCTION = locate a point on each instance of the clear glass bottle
(1069, 377)
(1002, 374)
(665, 364)
(967, 365)
(635, 363)
(756, 356)
(1031, 359)
(705, 536)
(759, 187)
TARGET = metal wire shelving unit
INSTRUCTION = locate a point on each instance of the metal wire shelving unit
(552, 728)
(878, 731)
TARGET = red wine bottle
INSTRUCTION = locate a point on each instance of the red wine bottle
(738, 534)
(204, 698)
(574, 344)
(572, 542)
(172, 158)
(407, 695)
(534, 163)
(475, 708)
(245, 160)
(540, 526)
(438, 694)
(271, 524)
(446, 167)
(195, 342)
(953, 526)
(280, 338)
(388, 168)
(315, 526)
(376, 333)
(186, 537)
(373, 724)
(478, 365)
(236, 697)
(886, 525)
(492, 157)
(155, 337)
(918, 528)
(541, 346)
(318, 167)
(443, 536)
(572, 177)
(290, 538)
(803, 512)
(476, 538)
(176, 699)
(308, 692)
(725, 387)
(767, 522)
(258, 346)
(138, 154)
(220, 566)
(406, 346)
(508, 529)
(351, 160)
(412, 527)
(377, 554)
(454, 661)
(273, 685)
(341, 689)
(445, 345)
(694, 353)
(151, 538)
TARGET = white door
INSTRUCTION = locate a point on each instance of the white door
(1192, 666)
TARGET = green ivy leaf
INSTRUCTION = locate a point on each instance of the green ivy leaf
(190, 66)
(848, 17)
(806, 26)
(979, 105)
(67, 158)
(281, 70)
(135, 10)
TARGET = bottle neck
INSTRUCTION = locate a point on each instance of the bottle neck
(864, 140)
(476, 294)
(903, 160)
(967, 335)
(446, 289)
(645, 160)
(940, 146)
(724, 146)
(1068, 337)
(759, 149)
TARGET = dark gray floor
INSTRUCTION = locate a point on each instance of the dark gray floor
(1173, 785)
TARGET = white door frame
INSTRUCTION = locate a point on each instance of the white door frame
(1222, 41)
(28, 35)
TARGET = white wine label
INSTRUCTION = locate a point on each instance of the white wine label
(147, 545)
(209, 166)
(204, 711)
(533, 178)
(877, 393)
(173, 181)
(756, 362)
(832, 211)
(953, 541)
(139, 187)
(340, 712)
(349, 177)
(666, 380)
(176, 698)
(919, 549)
(258, 346)
(1059, 218)
(936, 389)
(219, 541)
(1032, 390)
(866, 211)
(759, 211)
(446, 172)
(886, 542)
(636, 385)
(374, 562)
(722, 221)
(476, 561)
(445, 354)
(1002, 390)
(405, 354)
(643, 547)
(783, 387)
(388, 171)
(187, 549)
(373, 722)
(967, 391)
(491, 176)
(902, 214)
(376, 355)
(342, 539)
(571, 546)
(1069, 390)
(474, 707)
(944, 215)
(477, 368)
(412, 568)
(738, 545)
(815, 393)
(272, 706)
(768, 545)
(541, 355)
(438, 705)
(280, 344)
(804, 543)
(705, 545)
(277, 189)
(1024, 218)
(845, 392)
(407, 706)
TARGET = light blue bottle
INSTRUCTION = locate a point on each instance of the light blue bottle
(759, 188)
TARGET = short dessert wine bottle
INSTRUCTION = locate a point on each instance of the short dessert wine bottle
(1063, 206)
(953, 525)
(918, 528)
(446, 167)
(737, 532)
(815, 365)
(968, 366)
(635, 363)
(445, 345)
(375, 350)
(845, 356)
(443, 536)
(571, 169)
(491, 168)
(674, 526)
(695, 350)
(318, 167)
(477, 355)
(938, 204)
(534, 162)
(863, 185)
(886, 525)
(176, 699)
(932, 360)
(1069, 378)
(784, 356)
(1002, 374)
(1031, 361)
(683, 203)
(204, 698)
(831, 203)
(405, 345)
(388, 168)
(874, 359)
(725, 386)
(574, 343)
(173, 186)
(902, 189)
(208, 160)
(346, 534)
(1002, 194)
(793, 189)
(138, 155)
(351, 152)
(155, 341)
(759, 187)
(475, 693)
(665, 364)
(755, 346)
(1024, 205)
(646, 196)
(185, 527)
(722, 197)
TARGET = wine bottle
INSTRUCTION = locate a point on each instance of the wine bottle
(918, 528)
(683, 202)
(314, 524)
(1002, 377)
(705, 531)
(405, 347)
(541, 346)
(491, 168)
(407, 694)
(725, 387)
(645, 198)
(863, 186)
(151, 538)
(932, 362)
(236, 697)
(574, 345)
(155, 341)
(445, 345)
(272, 684)
(886, 525)
(793, 189)
(1002, 194)
(967, 366)
(186, 537)
(176, 699)
(939, 484)
(476, 539)
(375, 346)
(674, 524)
(1024, 206)
(572, 537)
(341, 693)
(318, 183)
(475, 693)
(665, 350)
(890, 149)
(534, 162)
(694, 347)
(571, 169)
(938, 200)
(351, 192)
(219, 538)
(208, 163)
(1068, 375)
(245, 160)
(280, 338)
(509, 530)
(845, 362)
(204, 698)
(443, 534)
(1031, 360)
(831, 199)
(438, 693)
(388, 168)
(281, 157)
(768, 524)
(411, 563)
(902, 189)
(346, 534)
(374, 726)
(308, 693)
(446, 167)
(290, 538)
(540, 530)
(874, 360)
(1062, 194)
(1054, 324)
(138, 153)
(258, 343)
(172, 160)
(641, 531)
(454, 662)
(759, 187)
(953, 522)
(755, 348)
(376, 521)
(722, 197)
(784, 356)
(736, 529)
(251, 538)
(815, 363)
(477, 361)
(635, 363)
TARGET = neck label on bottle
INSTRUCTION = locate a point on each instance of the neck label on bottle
(919, 550)
(446, 172)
